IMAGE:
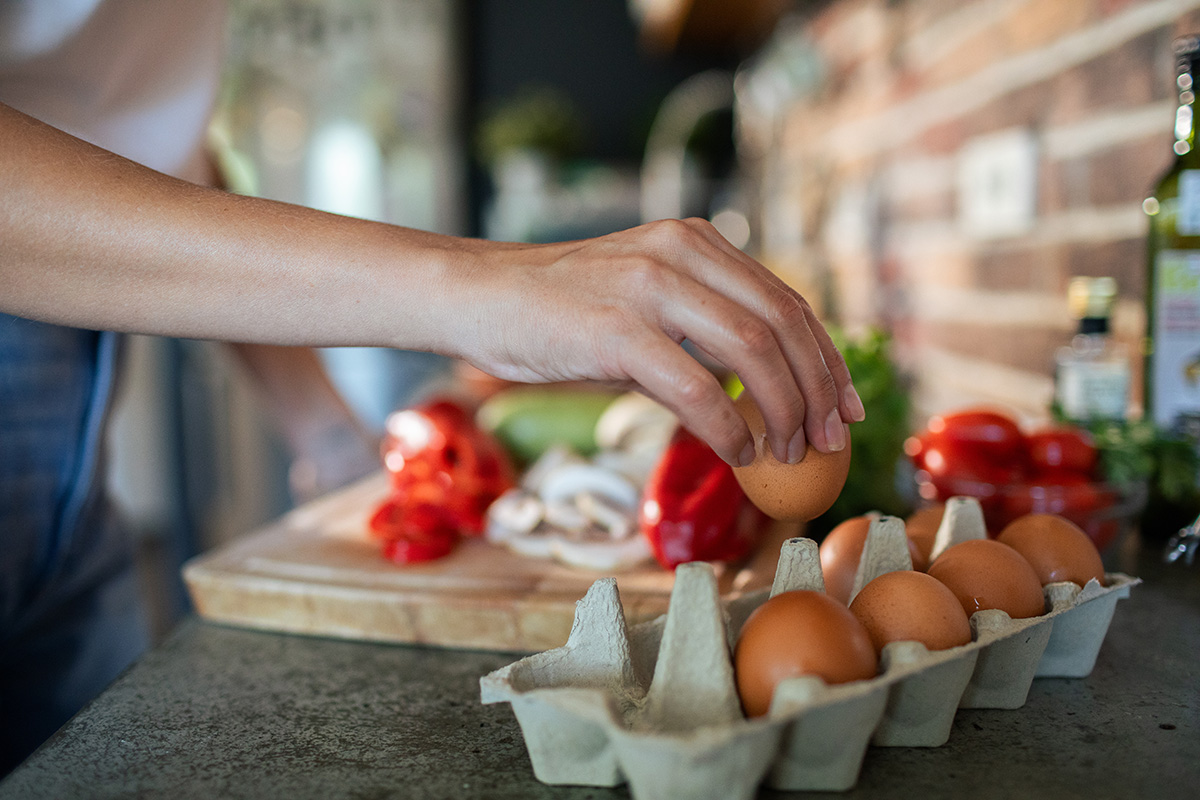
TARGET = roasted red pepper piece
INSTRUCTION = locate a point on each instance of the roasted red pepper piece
(413, 532)
(693, 508)
(445, 472)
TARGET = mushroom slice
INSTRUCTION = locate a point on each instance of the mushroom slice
(556, 456)
(565, 516)
(605, 555)
(570, 480)
(542, 543)
(632, 415)
(514, 513)
(619, 522)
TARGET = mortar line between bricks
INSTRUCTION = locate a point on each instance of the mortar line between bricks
(908, 119)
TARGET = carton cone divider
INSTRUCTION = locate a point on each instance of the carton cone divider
(693, 682)
(884, 550)
(961, 521)
(598, 646)
(799, 567)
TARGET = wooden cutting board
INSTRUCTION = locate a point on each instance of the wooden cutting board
(315, 571)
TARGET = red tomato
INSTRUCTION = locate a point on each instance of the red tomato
(985, 435)
(983, 454)
(946, 462)
(1063, 449)
(1057, 478)
(1076, 499)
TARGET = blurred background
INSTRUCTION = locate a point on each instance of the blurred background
(932, 172)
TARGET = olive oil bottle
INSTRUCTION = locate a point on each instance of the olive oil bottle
(1172, 368)
(1172, 344)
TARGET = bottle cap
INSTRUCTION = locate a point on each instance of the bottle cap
(1091, 298)
(1187, 58)
(1187, 45)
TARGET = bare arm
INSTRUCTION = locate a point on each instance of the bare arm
(93, 240)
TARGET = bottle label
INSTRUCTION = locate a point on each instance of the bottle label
(1176, 363)
(1187, 222)
(1093, 389)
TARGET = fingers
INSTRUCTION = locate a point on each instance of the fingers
(812, 367)
(669, 375)
(732, 335)
(849, 403)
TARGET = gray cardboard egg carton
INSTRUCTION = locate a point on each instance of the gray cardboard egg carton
(656, 705)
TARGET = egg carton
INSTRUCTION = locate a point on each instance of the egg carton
(656, 706)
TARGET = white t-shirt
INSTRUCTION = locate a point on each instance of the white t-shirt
(137, 77)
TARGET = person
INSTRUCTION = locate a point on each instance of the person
(108, 226)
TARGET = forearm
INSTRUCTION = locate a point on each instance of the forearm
(92, 240)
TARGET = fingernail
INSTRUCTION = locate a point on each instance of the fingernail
(746, 458)
(854, 403)
(797, 448)
(835, 432)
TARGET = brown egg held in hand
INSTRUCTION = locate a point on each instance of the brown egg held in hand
(799, 633)
(906, 606)
(1056, 548)
(984, 573)
(922, 527)
(790, 491)
(840, 552)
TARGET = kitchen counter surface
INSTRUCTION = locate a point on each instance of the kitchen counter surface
(221, 712)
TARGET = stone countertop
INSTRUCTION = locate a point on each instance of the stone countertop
(221, 712)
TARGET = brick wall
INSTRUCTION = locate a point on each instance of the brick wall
(858, 172)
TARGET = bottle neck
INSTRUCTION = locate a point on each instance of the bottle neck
(1093, 326)
(1185, 120)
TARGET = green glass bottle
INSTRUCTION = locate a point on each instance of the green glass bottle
(1172, 367)
(1172, 344)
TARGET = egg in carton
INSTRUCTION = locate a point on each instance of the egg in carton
(1061, 643)
(656, 705)
(1005, 654)
(926, 686)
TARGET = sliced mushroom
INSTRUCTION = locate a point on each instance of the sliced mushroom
(605, 555)
(633, 415)
(571, 480)
(619, 522)
(514, 513)
(566, 516)
(555, 457)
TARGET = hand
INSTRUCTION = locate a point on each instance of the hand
(330, 446)
(615, 309)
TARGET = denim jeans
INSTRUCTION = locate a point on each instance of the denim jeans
(70, 615)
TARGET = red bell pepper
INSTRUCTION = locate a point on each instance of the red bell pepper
(445, 472)
(413, 532)
(693, 508)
